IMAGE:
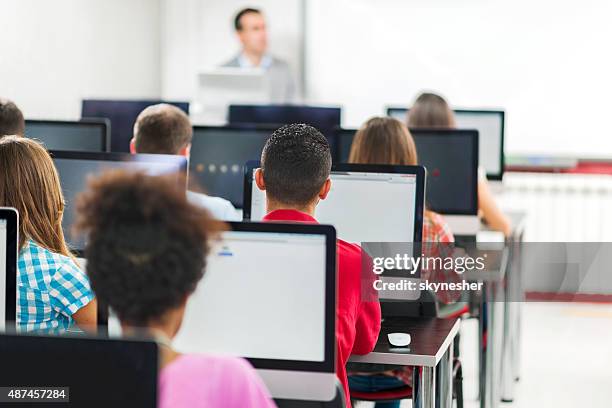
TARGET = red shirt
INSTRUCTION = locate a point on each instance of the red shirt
(357, 321)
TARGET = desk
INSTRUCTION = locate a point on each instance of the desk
(490, 309)
(512, 310)
(430, 353)
(498, 316)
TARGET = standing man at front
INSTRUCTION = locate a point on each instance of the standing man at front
(250, 26)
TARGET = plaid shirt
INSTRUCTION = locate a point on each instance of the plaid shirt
(51, 288)
(437, 243)
(436, 229)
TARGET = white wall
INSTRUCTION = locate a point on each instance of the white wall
(547, 62)
(54, 53)
(199, 34)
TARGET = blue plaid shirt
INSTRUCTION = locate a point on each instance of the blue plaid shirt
(51, 288)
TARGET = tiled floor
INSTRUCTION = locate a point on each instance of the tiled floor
(566, 357)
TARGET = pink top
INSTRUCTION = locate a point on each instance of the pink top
(198, 380)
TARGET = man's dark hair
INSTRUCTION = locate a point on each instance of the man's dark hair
(147, 244)
(162, 129)
(11, 119)
(296, 162)
(237, 22)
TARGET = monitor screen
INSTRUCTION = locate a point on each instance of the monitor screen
(75, 168)
(451, 160)
(99, 373)
(248, 309)
(326, 119)
(490, 126)
(87, 135)
(366, 203)
(218, 155)
(9, 225)
(122, 115)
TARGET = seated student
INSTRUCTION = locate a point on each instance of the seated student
(432, 111)
(11, 119)
(165, 129)
(145, 256)
(53, 293)
(384, 140)
(295, 168)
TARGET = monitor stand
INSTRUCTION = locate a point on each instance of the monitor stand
(463, 224)
(299, 385)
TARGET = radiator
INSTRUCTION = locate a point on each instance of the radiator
(561, 207)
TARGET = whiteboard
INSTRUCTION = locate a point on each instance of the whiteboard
(546, 62)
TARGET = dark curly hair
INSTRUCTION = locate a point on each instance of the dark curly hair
(147, 245)
(295, 162)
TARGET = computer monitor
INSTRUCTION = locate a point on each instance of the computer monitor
(366, 203)
(96, 372)
(75, 168)
(451, 159)
(269, 295)
(326, 119)
(491, 128)
(222, 86)
(218, 155)
(399, 113)
(122, 114)
(9, 242)
(88, 135)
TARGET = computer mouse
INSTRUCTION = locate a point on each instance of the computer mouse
(399, 339)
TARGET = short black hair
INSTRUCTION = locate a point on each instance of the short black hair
(162, 129)
(296, 161)
(147, 245)
(237, 22)
(11, 119)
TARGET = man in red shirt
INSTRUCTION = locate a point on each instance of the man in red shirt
(295, 167)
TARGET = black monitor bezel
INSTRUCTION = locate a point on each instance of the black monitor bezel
(419, 171)
(105, 142)
(239, 126)
(339, 131)
(472, 134)
(490, 176)
(11, 216)
(150, 347)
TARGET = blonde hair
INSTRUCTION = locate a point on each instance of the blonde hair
(383, 140)
(431, 111)
(29, 182)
